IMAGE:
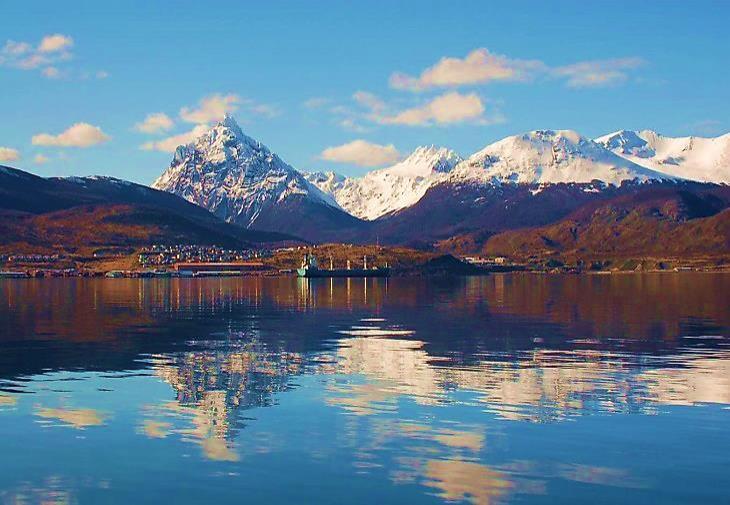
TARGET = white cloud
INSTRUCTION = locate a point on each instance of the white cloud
(8, 154)
(77, 135)
(211, 108)
(15, 48)
(482, 66)
(169, 144)
(157, 122)
(55, 43)
(32, 61)
(369, 100)
(597, 72)
(40, 159)
(478, 67)
(51, 51)
(351, 124)
(362, 153)
(449, 108)
(50, 56)
(51, 72)
(347, 117)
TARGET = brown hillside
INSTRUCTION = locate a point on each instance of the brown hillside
(75, 214)
(668, 223)
(92, 226)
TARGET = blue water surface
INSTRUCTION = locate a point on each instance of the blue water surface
(498, 389)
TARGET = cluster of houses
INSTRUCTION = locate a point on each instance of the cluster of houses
(480, 261)
(165, 255)
(29, 258)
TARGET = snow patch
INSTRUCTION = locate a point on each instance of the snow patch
(549, 157)
(234, 176)
(696, 158)
(389, 189)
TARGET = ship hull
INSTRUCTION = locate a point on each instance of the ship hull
(355, 272)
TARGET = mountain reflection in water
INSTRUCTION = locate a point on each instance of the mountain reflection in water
(409, 390)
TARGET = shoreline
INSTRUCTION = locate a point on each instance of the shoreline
(403, 262)
(16, 275)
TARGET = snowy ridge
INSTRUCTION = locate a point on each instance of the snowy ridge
(389, 189)
(328, 182)
(234, 176)
(100, 178)
(549, 157)
(240, 179)
(697, 158)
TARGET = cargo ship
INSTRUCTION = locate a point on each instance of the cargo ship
(310, 268)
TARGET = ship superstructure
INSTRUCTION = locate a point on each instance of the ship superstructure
(310, 268)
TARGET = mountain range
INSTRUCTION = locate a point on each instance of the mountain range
(514, 196)
(389, 189)
(694, 158)
(241, 181)
(523, 181)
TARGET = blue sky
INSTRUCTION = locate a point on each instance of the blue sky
(307, 78)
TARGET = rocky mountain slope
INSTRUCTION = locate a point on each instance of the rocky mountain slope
(241, 181)
(695, 158)
(389, 189)
(530, 180)
(549, 157)
(524, 180)
(540, 157)
(455, 208)
(39, 214)
(664, 222)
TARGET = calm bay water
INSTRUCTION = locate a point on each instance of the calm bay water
(500, 389)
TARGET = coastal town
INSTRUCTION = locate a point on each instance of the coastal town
(157, 260)
(186, 260)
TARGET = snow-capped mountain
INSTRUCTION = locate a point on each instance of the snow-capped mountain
(389, 189)
(696, 158)
(521, 181)
(530, 179)
(329, 182)
(240, 180)
(233, 175)
(549, 157)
